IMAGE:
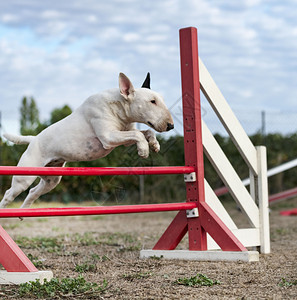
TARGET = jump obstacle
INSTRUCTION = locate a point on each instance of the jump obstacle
(275, 197)
(202, 216)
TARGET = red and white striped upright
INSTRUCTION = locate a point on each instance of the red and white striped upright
(207, 221)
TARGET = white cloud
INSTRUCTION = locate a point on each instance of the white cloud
(62, 52)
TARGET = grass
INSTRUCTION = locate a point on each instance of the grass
(85, 267)
(12, 226)
(139, 275)
(49, 244)
(102, 258)
(96, 218)
(86, 239)
(90, 265)
(287, 283)
(124, 241)
(70, 288)
(197, 280)
(36, 261)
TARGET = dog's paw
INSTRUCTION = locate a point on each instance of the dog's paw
(143, 153)
(154, 145)
(143, 150)
(152, 140)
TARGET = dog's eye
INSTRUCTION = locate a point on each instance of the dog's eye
(153, 101)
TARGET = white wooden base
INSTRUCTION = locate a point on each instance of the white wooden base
(22, 277)
(246, 256)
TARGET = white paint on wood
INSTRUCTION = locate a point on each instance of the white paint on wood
(23, 277)
(263, 200)
(249, 237)
(245, 256)
(215, 204)
(228, 175)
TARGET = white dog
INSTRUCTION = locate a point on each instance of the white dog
(103, 122)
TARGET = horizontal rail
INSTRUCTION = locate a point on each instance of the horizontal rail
(283, 195)
(93, 171)
(93, 210)
(273, 171)
(290, 212)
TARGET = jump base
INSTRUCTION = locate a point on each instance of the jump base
(244, 256)
(23, 277)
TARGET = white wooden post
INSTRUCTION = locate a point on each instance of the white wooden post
(263, 200)
(253, 188)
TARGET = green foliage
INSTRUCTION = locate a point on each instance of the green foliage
(102, 258)
(287, 283)
(86, 239)
(197, 280)
(85, 267)
(49, 244)
(60, 113)
(29, 117)
(36, 261)
(137, 275)
(66, 287)
(124, 241)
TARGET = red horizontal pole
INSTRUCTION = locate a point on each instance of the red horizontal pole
(93, 210)
(283, 195)
(221, 191)
(94, 171)
(290, 212)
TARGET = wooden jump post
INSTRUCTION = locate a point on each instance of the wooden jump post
(201, 217)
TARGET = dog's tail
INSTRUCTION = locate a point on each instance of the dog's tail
(19, 139)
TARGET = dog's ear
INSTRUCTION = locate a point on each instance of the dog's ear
(147, 81)
(126, 87)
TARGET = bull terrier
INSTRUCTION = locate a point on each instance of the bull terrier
(103, 122)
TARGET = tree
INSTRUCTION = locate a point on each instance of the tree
(29, 117)
(60, 113)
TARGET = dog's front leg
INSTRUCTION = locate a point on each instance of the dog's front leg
(116, 138)
(152, 140)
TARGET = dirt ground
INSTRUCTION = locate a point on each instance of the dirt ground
(107, 248)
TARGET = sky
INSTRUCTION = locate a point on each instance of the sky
(61, 52)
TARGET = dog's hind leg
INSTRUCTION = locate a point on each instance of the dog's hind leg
(46, 184)
(18, 185)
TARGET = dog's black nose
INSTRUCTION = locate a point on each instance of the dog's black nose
(169, 126)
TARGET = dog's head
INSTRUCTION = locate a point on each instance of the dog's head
(145, 105)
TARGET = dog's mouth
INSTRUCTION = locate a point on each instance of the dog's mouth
(150, 124)
(158, 128)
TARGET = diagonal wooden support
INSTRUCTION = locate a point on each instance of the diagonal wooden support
(12, 258)
(174, 233)
(222, 235)
(19, 269)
